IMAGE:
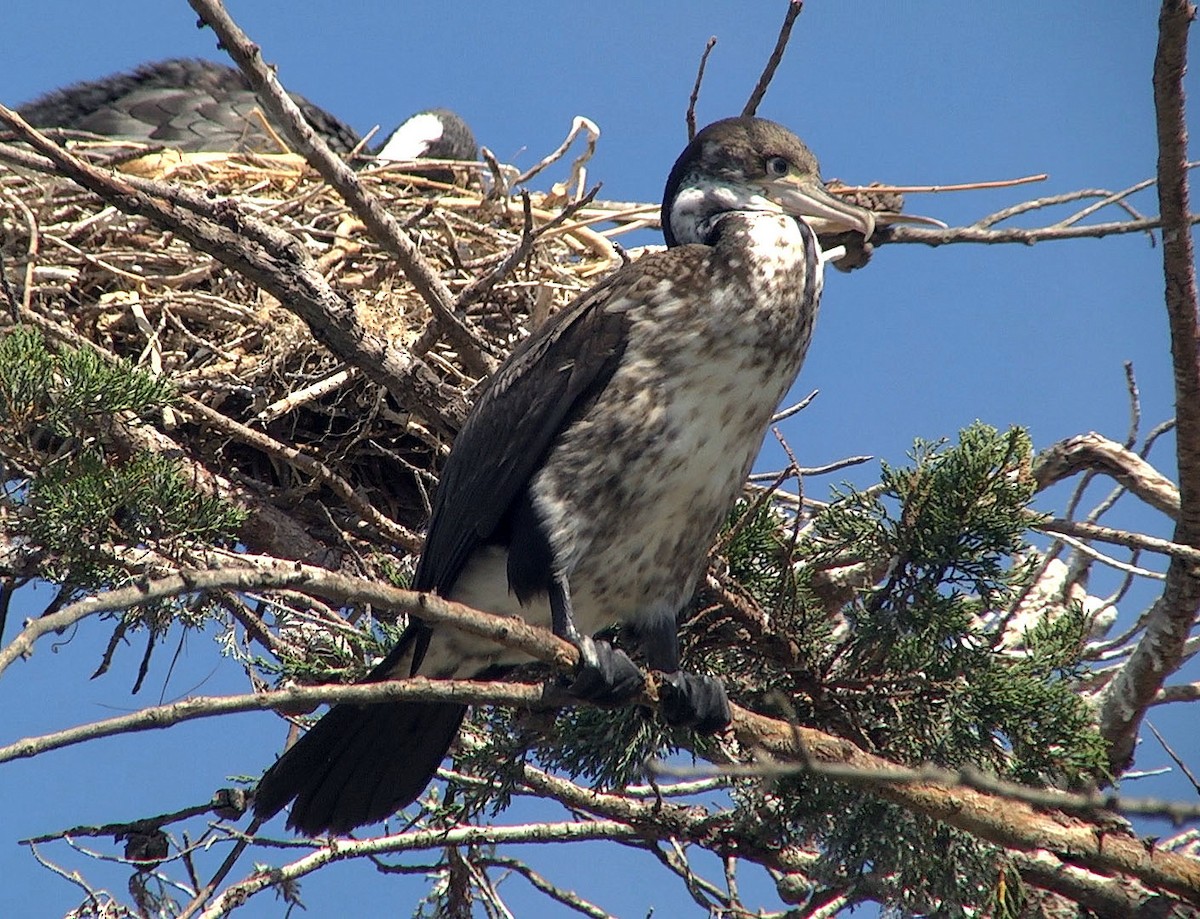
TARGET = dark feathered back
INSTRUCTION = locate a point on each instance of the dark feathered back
(188, 104)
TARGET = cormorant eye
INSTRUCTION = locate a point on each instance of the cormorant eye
(777, 166)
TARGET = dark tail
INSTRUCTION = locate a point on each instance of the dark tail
(359, 764)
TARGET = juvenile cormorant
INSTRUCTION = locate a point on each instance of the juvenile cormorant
(596, 468)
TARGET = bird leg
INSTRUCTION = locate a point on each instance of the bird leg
(694, 700)
(606, 675)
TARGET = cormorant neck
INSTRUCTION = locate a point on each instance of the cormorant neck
(696, 209)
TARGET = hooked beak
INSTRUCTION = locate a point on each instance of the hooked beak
(825, 213)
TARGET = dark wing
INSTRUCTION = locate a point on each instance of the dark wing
(549, 378)
(193, 105)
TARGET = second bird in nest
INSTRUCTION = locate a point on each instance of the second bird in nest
(200, 106)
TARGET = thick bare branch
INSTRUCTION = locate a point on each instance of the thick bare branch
(1008, 823)
(382, 226)
(1095, 452)
(437, 838)
(257, 573)
(1160, 649)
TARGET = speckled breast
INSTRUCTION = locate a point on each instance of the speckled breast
(634, 493)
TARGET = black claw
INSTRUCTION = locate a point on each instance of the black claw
(694, 700)
(605, 676)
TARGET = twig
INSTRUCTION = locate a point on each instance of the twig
(1081, 546)
(1081, 530)
(578, 124)
(567, 898)
(933, 236)
(789, 411)
(1174, 756)
(839, 188)
(695, 96)
(300, 397)
(222, 872)
(785, 32)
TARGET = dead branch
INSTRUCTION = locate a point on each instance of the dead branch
(1096, 452)
(695, 96)
(933, 236)
(256, 573)
(785, 33)
(248, 57)
(438, 838)
(995, 817)
(1158, 653)
(1081, 530)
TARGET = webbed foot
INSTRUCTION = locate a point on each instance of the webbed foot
(605, 676)
(694, 700)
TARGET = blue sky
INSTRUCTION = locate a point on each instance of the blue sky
(919, 344)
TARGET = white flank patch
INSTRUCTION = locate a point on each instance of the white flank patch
(410, 141)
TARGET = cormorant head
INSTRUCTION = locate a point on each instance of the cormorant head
(751, 164)
(436, 134)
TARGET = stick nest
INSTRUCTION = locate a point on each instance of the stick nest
(141, 294)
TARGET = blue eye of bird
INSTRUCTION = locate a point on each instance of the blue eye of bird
(778, 166)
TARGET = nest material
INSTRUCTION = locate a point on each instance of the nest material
(140, 293)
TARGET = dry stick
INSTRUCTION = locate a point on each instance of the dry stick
(1024, 207)
(785, 32)
(1174, 757)
(838, 188)
(695, 96)
(481, 286)
(436, 838)
(579, 124)
(1160, 649)
(1080, 530)
(275, 261)
(1097, 453)
(260, 572)
(935, 236)
(382, 226)
(566, 897)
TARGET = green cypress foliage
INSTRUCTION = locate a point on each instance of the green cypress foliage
(910, 667)
(77, 498)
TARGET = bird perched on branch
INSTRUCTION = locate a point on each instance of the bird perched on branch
(596, 468)
(196, 105)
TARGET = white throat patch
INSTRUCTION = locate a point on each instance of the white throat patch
(698, 202)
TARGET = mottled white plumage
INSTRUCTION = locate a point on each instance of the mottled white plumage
(594, 471)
